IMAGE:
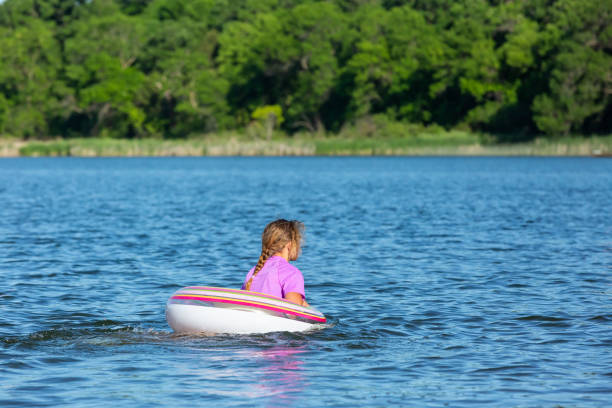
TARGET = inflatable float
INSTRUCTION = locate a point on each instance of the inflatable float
(197, 309)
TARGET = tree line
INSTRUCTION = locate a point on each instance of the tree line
(170, 68)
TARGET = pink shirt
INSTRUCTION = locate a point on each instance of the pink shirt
(277, 278)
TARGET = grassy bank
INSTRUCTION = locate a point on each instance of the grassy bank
(454, 143)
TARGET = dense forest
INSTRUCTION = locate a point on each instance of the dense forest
(171, 68)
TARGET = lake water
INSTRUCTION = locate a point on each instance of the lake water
(446, 281)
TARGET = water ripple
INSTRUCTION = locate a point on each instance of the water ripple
(445, 281)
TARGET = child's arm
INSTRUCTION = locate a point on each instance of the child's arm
(297, 298)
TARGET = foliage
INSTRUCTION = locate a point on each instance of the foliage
(171, 68)
(270, 116)
(428, 142)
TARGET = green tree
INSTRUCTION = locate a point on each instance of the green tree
(15, 13)
(176, 67)
(396, 58)
(578, 44)
(579, 89)
(286, 57)
(29, 62)
(107, 30)
(102, 56)
(212, 13)
(188, 95)
(270, 116)
(110, 94)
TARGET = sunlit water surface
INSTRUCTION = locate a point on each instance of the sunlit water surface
(446, 281)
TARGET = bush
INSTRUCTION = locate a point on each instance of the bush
(45, 149)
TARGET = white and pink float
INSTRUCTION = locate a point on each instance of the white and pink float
(205, 309)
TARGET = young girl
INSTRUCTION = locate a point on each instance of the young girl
(273, 274)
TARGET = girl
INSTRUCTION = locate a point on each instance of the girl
(273, 274)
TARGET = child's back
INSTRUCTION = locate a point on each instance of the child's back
(273, 274)
(277, 278)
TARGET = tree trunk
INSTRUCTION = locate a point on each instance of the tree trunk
(101, 115)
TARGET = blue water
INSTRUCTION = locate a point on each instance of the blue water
(446, 281)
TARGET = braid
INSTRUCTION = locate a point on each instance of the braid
(265, 254)
(275, 236)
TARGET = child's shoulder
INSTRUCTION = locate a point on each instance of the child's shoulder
(286, 268)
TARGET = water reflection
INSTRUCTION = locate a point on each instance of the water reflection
(282, 375)
(274, 375)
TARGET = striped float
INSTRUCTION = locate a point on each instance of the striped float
(220, 310)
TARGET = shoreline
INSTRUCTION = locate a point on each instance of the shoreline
(428, 145)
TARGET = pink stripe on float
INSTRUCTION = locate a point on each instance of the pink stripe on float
(204, 298)
(242, 292)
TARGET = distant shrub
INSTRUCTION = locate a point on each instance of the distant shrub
(381, 126)
(45, 149)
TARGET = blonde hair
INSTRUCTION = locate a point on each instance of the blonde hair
(275, 236)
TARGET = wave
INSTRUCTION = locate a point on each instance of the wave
(97, 331)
